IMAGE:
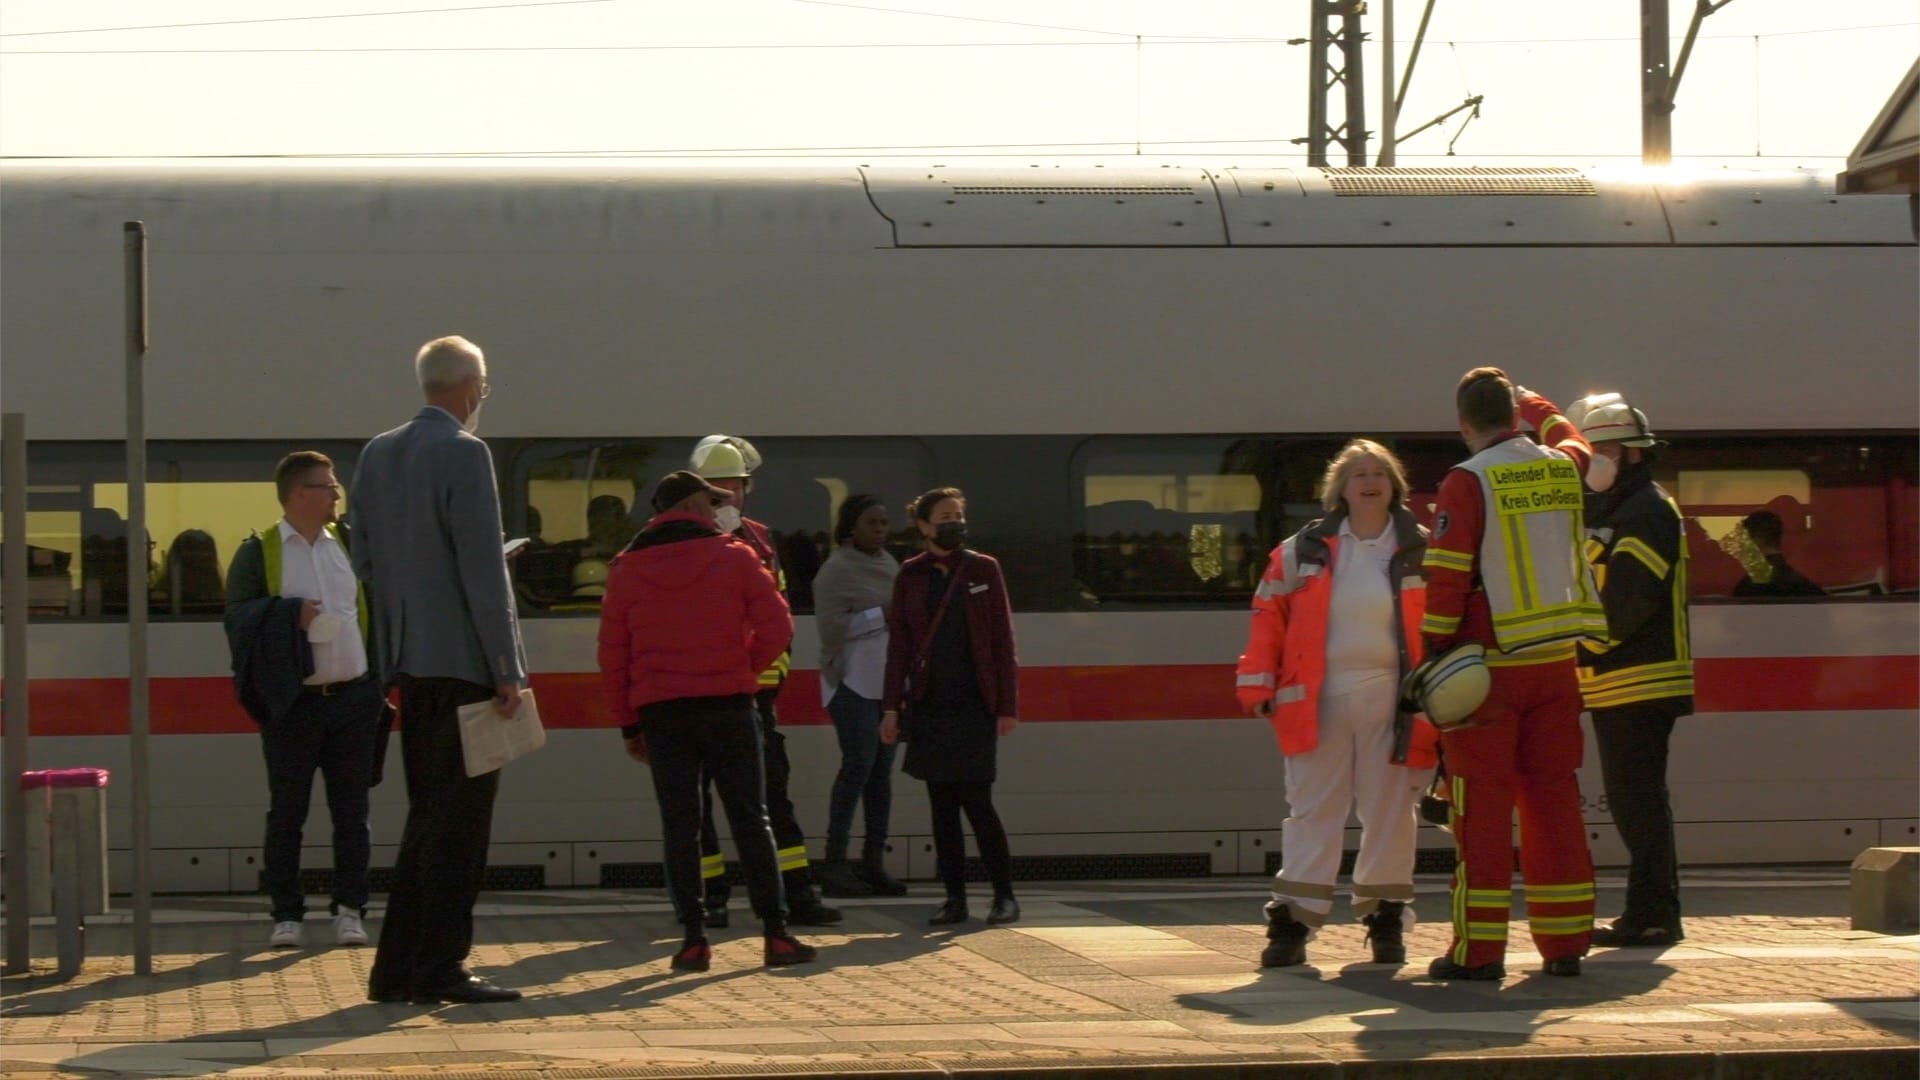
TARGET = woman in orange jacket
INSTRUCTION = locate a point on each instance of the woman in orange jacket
(1335, 628)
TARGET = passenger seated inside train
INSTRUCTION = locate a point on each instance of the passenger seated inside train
(190, 580)
(1758, 538)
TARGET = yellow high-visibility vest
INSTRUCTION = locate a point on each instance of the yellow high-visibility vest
(1538, 584)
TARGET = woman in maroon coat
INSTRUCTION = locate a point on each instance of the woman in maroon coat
(950, 663)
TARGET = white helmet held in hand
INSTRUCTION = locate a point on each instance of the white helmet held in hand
(1448, 687)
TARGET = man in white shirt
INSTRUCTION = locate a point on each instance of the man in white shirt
(297, 625)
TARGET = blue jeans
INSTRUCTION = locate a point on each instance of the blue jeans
(866, 771)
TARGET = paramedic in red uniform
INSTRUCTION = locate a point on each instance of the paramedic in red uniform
(1505, 570)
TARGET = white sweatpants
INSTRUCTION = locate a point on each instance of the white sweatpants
(1350, 769)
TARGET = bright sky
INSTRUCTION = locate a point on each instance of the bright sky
(1771, 83)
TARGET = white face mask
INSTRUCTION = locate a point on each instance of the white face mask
(1601, 472)
(727, 519)
(471, 424)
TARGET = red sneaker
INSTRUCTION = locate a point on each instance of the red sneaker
(693, 956)
(784, 950)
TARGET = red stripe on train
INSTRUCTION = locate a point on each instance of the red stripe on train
(206, 706)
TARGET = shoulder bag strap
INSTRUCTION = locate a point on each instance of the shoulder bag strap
(926, 646)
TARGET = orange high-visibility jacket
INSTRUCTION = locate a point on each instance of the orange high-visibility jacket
(1286, 657)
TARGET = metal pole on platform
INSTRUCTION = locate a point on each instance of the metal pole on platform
(13, 609)
(139, 721)
(1388, 106)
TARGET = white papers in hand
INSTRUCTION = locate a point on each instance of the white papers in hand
(489, 740)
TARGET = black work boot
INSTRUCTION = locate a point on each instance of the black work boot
(1384, 933)
(1286, 939)
(805, 909)
(872, 869)
(836, 876)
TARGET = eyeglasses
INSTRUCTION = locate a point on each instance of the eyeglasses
(485, 388)
(335, 488)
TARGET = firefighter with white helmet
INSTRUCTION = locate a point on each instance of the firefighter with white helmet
(1639, 681)
(1504, 571)
(727, 461)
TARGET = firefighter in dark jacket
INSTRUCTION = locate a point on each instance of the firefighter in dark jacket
(1638, 682)
(728, 462)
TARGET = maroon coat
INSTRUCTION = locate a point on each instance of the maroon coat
(982, 601)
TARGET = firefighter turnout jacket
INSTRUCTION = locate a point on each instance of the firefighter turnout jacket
(1637, 546)
(1286, 656)
(760, 538)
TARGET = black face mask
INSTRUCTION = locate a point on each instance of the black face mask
(951, 535)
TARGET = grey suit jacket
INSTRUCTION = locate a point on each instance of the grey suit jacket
(427, 536)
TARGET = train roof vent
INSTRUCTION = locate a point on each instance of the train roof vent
(1457, 181)
(1131, 206)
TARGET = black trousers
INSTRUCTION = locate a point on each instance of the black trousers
(335, 735)
(789, 841)
(428, 929)
(1633, 766)
(693, 742)
(949, 800)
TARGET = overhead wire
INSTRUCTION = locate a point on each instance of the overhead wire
(309, 18)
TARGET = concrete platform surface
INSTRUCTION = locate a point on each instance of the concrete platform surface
(1103, 979)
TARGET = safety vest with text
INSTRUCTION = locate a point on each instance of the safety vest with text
(1539, 588)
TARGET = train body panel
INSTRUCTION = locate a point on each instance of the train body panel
(1007, 321)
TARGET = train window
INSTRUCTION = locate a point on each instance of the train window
(1776, 518)
(203, 499)
(581, 500)
(1187, 520)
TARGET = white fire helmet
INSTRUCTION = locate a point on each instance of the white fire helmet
(724, 457)
(1448, 687)
(1609, 418)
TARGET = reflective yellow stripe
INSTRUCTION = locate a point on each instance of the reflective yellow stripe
(1554, 654)
(1486, 931)
(1431, 623)
(777, 674)
(1636, 547)
(1573, 890)
(713, 866)
(1489, 898)
(1551, 422)
(1449, 560)
(1519, 562)
(793, 858)
(1560, 924)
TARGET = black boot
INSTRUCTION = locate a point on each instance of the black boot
(1383, 933)
(951, 913)
(836, 876)
(1286, 939)
(872, 869)
(805, 909)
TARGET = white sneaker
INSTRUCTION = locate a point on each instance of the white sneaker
(347, 929)
(286, 935)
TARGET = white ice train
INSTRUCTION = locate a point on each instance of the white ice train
(1135, 373)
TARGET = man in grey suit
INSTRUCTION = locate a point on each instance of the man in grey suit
(426, 516)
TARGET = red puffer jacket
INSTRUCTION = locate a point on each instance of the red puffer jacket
(688, 613)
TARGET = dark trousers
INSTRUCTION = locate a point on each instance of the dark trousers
(866, 772)
(336, 735)
(1633, 765)
(790, 842)
(694, 742)
(948, 801)
(443, 852)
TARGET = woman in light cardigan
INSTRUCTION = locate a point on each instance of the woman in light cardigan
(851, 594)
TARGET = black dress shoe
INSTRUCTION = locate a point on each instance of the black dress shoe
(466, 990)
(949, 913)
(1005, 910)
(1565, 965)
(390, 997)
(1445, 968)
(1624, 935)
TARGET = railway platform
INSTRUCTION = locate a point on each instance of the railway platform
(1105, 979)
